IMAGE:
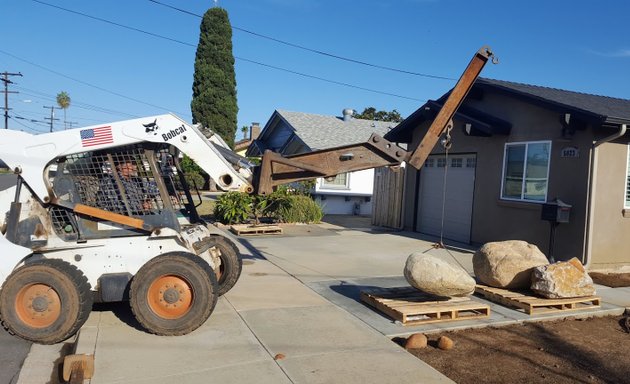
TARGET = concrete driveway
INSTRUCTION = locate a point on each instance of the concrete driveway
(294, 316)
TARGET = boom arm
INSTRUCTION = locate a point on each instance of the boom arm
(376, 152)
(31, 154)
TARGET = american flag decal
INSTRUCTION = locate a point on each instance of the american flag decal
(96, 136)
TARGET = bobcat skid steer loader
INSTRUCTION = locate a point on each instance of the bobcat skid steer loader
(103, 213)
(94, 207)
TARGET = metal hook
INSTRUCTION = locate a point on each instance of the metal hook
(491, 55)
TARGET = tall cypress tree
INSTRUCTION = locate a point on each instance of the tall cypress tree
(214, 85)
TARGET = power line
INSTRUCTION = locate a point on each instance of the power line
(329, 81)
(77, 104)
(89, 84)
(238, 58)
(16, 117)
(111, 22)
(316, 51)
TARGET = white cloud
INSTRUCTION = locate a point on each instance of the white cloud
(623, 52)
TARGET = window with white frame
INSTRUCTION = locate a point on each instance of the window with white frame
(627, 204)
(341, 181)
(526, 171)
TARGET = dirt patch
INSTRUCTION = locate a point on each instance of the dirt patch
(595, 350)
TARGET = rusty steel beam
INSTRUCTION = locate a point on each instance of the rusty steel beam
(455, 99)
(276, 169)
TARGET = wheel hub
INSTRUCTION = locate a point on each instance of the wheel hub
(170, 297)
(40, 304)
(37, 305)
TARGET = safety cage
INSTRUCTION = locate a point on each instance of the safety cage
(141, 180)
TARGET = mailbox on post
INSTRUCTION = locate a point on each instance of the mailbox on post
(555, 212)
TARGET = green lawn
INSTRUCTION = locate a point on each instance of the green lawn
(206, 209)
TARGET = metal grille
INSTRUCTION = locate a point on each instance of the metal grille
(120, 182)
(63, 221)
(172, 180)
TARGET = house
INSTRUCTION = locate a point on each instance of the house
(240, 147)
(514, 148)
(291, 133)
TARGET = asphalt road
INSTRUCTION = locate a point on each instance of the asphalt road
(13, 350)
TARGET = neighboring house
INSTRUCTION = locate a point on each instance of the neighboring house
(240, 147)
(291, 133)
(514, 147)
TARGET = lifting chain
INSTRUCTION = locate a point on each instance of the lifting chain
(446, 142)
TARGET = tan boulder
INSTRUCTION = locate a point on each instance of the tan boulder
(416, 341)
(562, 279)
(616, 277)
(507, 264)
(445, 343)
(433, 275)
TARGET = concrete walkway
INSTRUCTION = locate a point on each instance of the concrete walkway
(294, 317)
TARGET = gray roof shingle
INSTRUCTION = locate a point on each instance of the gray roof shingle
(605, 107)
(321, 131)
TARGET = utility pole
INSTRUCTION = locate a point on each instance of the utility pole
(52, 116)
(6, 81)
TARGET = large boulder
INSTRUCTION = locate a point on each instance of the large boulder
(617, 277)
(435, 276)
(562, 279)
(507, 264)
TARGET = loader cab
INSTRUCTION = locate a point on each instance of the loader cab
(143, 181)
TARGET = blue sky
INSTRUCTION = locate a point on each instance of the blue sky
(113, 73)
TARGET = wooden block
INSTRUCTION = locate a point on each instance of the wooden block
(413, 307)
(533, 305)
(244, 229)
(77, 368)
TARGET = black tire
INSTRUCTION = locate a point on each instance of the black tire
(231, 263)
(45, 301)
(173, 294)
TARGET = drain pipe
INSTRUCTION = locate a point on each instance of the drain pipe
(592, 192)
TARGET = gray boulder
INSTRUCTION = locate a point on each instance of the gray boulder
(507, 264)
(562, 280)
(435, 276)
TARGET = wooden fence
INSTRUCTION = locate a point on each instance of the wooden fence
(387, 198)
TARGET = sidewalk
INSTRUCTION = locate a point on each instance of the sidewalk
(294, 317)
(270, 328)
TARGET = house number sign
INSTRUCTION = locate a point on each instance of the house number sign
(570, 152)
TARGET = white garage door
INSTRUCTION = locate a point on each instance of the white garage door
(460, 184)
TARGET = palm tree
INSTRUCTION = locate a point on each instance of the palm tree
(63, 100)
(244, 129)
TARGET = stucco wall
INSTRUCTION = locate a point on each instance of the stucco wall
(611, 230)
(495, 219)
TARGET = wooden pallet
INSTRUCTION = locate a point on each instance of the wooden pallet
(534, 305)
(413, 307)
(244, 229)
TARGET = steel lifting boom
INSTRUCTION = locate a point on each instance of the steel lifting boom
(376, 152)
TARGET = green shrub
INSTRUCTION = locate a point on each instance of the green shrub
(233, 208)
(194, 179)
(299, 209)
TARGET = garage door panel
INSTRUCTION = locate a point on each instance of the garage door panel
(459, 197)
